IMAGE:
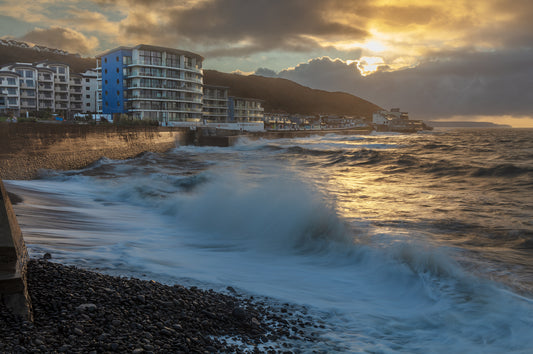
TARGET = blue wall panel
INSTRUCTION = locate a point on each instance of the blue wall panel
(113, 85)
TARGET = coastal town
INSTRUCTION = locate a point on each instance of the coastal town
(164, 86)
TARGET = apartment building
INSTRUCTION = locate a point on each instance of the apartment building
(241, 110)
(90, 91)
(10, 91)
(44, 86)
(215, 104)
(149, 82)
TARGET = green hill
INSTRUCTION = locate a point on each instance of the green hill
(279, 95)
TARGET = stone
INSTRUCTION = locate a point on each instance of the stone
(47, 256)
(239, 313)
(86, 307)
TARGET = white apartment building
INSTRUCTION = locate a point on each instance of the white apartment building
(10, 91)
(90, 91)
(245, 109)
(46, 86)
(215, 104)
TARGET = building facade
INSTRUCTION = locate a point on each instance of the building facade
(215, 104)
(10, 91)
(245, 110)
(90, 92)
(149, 82)
(43, 86)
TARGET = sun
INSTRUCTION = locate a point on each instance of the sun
(369, 65)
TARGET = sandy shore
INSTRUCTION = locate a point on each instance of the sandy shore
(78, 311)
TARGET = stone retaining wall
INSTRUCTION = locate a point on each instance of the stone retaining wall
(27, 148)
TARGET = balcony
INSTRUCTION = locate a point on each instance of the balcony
(47, 78)
(45, 88)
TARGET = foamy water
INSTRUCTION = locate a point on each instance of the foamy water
(410, 243)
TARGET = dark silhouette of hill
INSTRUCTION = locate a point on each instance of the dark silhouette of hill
(282, 95)
(279, 95)
(10, 55)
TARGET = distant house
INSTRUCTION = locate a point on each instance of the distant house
(396, 121)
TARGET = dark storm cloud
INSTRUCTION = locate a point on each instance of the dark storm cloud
(470, 84)
(250, 26)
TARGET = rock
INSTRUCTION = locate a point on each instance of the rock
(141, 298)
(231, 290)
(137, 351)
(47, 256)
(115, 323)
(239, 313)
(78, 331)
(86, 307)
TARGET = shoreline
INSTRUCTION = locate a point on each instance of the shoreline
(77, 310)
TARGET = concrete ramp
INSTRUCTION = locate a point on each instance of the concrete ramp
(13, 260)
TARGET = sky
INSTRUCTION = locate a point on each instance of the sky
(446, 59)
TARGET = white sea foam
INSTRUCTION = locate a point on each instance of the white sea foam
(262, 227)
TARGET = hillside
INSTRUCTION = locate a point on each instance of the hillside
(11, 54)
(279, 95)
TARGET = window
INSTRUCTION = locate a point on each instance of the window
(106, 92)
(144, 56)
(118, 70)
(11, 91)
(29, 83)
(106, 103)
(173, 60)
(87, 105)
(156, 58)
(87, 96)
(118, 81)
(118, 58)
(12, 100)
(20, 72)
(118, 93)
(105, 61)
(11, 81)
(87, 88)
(87, 80)
(105, 71)
(61, 69)
(29, 74)
(106, 82)
(118, 104)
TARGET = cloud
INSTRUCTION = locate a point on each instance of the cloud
(62, 38)
(456, 83)
(265, 72)
(243, 27)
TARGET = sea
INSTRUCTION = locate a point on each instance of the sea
(418, 243)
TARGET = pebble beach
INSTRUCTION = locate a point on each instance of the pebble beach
(79, 311)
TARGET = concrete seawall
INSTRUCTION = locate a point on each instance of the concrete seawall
(27, 148)
(13, 260)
